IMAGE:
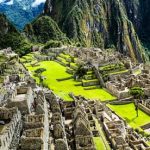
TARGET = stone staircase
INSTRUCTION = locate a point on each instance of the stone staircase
(89, 81)
(63, 59)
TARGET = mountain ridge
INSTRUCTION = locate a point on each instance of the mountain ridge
(87, 23)
(97, 23)
(21, 12)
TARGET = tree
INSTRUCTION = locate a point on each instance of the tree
(137, 93)
(81, 71)
(40, 70)
(38, 73)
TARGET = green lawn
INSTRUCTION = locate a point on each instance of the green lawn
(63, 88)
(129, 114)
(99, 143)
(148, 143)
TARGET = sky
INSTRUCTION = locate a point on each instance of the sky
(34, 4)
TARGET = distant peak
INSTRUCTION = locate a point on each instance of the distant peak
(37, 2)
(7, 2)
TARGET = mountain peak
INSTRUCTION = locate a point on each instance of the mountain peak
(21, 12)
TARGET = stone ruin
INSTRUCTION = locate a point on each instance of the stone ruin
(57, 126)
(120, 85)
(10, 127)
(93, 55)
(36, 126)
(119, 134)
(21, 97)
(33, 117)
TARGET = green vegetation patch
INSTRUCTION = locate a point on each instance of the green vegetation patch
(99, 143)
(128, 113)
(56, 71)
(112, 67)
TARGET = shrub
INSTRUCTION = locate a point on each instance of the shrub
(53, 44)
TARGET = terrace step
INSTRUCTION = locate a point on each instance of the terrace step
(64, 79)
(90, 72)
(87, 83)
(73, 66)
(62, 59)
(78, 84)
(64, 63)
(66, 57)
(89, 77)
(92, 87)
(70, 70)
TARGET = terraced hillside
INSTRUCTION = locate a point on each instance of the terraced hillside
(56, 72)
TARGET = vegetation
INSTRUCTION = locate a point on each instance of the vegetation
(40, 71)
(53, 44)
(137, 93)
(80, 72)
(128, 113)
(99, 143)
(88, 26)
(56, 71)
(44, 29)
(112, 67)
(10, 37)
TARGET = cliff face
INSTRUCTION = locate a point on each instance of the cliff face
(138, 12)
(100, 23)
(10, 37)
(7, 31)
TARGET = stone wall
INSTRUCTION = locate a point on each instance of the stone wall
(11, 118)
(144, 108)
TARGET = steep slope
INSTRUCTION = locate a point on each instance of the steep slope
(98, 23)
(44, 29)
(20, 12)
(138, 12)
(10, 37)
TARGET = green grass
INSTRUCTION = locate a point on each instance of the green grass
(99, 143)
(128, 113)
(148, 143)
(64, 55)
(137, 72)
(63, 88)
(118, 72)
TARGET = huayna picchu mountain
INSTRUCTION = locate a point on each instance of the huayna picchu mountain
(99, 23)
(105, 24)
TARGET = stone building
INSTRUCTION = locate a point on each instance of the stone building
(10, 128)
(116, 132)
(21, 97)
(120, 85)
(36, 133)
